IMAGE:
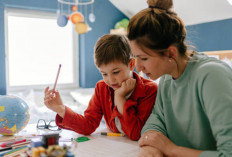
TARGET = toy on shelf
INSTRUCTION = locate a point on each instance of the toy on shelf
(120, 27)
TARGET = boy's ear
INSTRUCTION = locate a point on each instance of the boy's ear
(132, 64)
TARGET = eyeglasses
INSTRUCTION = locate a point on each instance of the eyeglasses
(50, 126)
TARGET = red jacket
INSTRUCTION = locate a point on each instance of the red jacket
(135, 113)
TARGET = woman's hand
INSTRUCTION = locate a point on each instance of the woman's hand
(53, 101)
(148, 151)
(157, 140)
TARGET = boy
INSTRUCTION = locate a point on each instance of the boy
(123, 97)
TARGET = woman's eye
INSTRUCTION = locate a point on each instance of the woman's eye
(143, 59)
(104, 74)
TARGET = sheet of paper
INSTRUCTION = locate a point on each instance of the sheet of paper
(101, 147)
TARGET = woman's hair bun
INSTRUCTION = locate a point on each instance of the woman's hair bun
(162, 4)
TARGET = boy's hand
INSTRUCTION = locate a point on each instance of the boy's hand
(120, 93)
(126, 87)
(53, 101)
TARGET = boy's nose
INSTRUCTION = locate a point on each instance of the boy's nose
(111, 79)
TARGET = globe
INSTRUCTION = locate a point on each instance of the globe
(14, 115)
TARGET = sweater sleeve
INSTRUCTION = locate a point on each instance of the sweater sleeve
(86, 124)
(156, 118)
(136, 112)
(216, 95)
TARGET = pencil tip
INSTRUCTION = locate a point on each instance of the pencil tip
(103, 133)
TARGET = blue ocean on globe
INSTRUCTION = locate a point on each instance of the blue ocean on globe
(14, 114)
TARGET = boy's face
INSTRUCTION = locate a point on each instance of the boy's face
(115, 73)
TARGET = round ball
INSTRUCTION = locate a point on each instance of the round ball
(74, 8)
(14, 115)
(81, 27)
(62, 20)
(92, 17)
(76, 17)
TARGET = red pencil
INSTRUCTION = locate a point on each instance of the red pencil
(8, 144)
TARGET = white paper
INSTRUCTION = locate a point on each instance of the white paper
(101, 147)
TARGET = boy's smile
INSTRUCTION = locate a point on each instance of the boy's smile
(115, 73)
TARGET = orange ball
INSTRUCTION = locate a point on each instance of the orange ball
(76, 17)
(74, 8)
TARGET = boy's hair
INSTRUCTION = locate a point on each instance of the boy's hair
(112, 47)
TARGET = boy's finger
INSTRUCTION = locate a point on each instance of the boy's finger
(131, 80)
(47, 96)
(57, 93)
(46, 102)
(124, 83)
(46, 89)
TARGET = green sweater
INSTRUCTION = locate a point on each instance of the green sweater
(195, 111)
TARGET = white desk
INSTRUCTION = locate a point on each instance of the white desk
(98, 145)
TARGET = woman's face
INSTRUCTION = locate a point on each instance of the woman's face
(154, 65)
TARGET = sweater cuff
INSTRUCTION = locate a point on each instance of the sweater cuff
(64, 122)
(209, 154)
(59, 121)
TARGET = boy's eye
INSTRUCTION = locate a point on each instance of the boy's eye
(116, 72)
(104, 74)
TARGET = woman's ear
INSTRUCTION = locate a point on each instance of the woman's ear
(132, 64)
(172, 52)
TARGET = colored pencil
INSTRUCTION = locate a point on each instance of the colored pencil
(57, 77)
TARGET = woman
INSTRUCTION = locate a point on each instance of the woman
(192, 115)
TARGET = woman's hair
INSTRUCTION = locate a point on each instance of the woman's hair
(158, 27)
(110, 48)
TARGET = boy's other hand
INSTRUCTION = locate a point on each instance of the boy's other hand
(126, 87)
(53, 101)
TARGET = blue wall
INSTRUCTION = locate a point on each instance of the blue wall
(106, 17)
(211, 36)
